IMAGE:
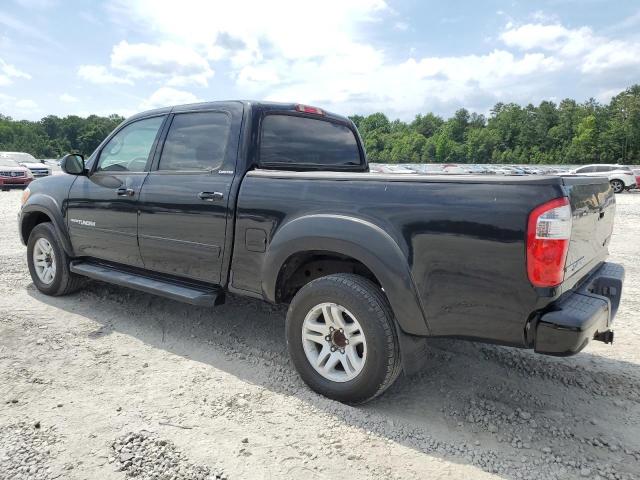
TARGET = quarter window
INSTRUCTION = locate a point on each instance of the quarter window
(196, 142)
(129, 149)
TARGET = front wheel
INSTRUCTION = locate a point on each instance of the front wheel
(342, 339)
(617, 185)
(48, 262)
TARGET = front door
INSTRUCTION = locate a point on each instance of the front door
(183, 203)
(102, 209)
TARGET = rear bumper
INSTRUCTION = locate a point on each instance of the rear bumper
(567, 325)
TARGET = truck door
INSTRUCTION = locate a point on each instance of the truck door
(102, 208)
(184, 200)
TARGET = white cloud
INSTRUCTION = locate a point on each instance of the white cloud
(100, 75)
(286, 29)
(166, 97)
(67, 98)
(167, 62)
(272, 57)
(26, 104)
(17, 108)
(180, 64)
(590, 52)
(551, 37)
(317, 52)
(8, 73)
(611, 55)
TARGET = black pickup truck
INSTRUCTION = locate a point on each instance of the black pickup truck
(275, 201)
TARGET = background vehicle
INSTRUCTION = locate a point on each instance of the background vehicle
(12, 174)
(275, 201)
(399, 169)
(620, 177)
(37, 168)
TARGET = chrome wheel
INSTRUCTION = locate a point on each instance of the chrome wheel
(617, 186)
(334, 342)
(44, 261)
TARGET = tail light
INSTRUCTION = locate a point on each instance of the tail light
(308, 109)
(548, 235)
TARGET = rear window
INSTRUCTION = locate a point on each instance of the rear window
(296, 140)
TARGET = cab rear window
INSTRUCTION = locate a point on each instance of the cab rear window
(302, 141)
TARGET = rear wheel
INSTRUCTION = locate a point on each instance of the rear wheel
(341, 338)
(48, 262)
(617, 185)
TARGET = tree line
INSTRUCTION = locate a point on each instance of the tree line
(52, 136)
(568, 132)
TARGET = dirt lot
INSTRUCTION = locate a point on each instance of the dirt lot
(110, 383)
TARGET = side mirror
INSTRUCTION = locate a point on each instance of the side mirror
(73, 164)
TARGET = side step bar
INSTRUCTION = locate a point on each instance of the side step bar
(195, 295)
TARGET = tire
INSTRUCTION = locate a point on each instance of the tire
(363, 308)
(62, 281)
(617, 185)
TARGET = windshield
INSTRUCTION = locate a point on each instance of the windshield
(18, 156)
(6, 162)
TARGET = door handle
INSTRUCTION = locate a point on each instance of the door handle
(125, 192)
(210, 196)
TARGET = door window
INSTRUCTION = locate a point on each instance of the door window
(196, 142)
(129, 149)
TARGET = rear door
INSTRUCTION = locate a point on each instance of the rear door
(102, 209)
(184, 200)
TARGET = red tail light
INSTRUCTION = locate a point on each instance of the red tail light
(548, 235)
(308, 109)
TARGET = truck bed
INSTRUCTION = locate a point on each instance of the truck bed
(463, 236)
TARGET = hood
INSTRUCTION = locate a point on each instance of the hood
(33, 165)
(13, 169)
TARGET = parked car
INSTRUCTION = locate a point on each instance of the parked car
(37, 168)
(12, 174)
(273, 201)
(620, 177)
(398, 169)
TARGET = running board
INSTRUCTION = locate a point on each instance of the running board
(195, 295)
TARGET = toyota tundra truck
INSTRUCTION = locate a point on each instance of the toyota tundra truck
(275, 201)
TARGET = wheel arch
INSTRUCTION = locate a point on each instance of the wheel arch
(357, 242)
(39, 209)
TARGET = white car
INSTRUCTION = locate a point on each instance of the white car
(37, 168)
(385, 168)
(620, 177)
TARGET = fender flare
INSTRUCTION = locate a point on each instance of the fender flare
(358, 239)
(39, 203)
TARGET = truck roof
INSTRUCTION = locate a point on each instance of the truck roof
(263, 105)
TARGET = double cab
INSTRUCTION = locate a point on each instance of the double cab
(275, 201)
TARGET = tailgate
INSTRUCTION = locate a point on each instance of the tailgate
(593, 207)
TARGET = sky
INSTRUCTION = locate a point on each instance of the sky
(400, 57)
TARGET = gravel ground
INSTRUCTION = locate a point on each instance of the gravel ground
(111, 383)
